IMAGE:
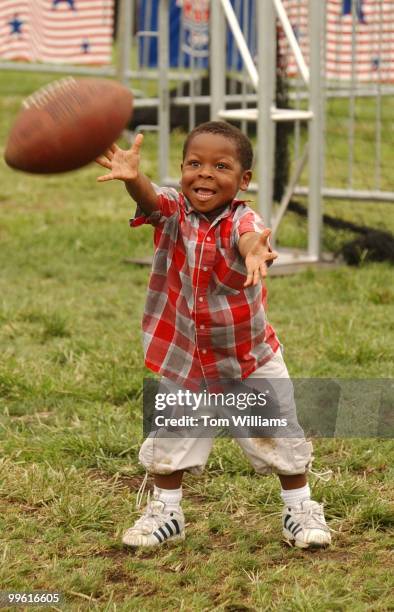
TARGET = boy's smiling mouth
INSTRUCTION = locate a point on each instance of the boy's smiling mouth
(204, 193)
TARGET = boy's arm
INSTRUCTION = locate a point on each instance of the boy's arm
(257, 253)
(142, 192)
(124, 166)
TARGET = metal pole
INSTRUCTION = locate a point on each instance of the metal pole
(297, 91)
(164, 97)
(316, 139)
(266, 53)
(295, 47)
(240, 40)
(217, 59)
(289, 191)
(324, 102)
(352, 98)
(192, 85)
(147, 27)
(244, 87)
(125, 24)
(378, 119)
(358, 195)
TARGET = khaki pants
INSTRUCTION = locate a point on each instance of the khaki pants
(285, 456)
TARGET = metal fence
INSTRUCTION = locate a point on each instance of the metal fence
(358, 63)
(340, 60)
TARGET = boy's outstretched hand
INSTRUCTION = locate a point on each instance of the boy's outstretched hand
(123, 165)
(258, 255)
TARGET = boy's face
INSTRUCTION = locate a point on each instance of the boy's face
(212, 174)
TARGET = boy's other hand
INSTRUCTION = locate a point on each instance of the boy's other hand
(123, 165)
(258, 256)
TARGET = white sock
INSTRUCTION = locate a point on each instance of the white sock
(293, 497)
(171, 497)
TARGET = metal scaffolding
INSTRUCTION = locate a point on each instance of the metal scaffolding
(265, 114)
(252, 26)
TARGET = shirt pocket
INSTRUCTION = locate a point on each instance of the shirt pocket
(228, 273)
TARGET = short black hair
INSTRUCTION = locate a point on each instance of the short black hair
(242, 143)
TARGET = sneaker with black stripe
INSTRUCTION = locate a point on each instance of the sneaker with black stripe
(304, 526)
(156, 526)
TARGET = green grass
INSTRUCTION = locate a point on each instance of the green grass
(71, 369)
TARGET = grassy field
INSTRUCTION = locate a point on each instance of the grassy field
(71, 371)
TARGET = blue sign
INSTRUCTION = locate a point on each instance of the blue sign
(189, 37)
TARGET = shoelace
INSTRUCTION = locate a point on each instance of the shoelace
(151, 511)
(316, 516)
(141, 491)
(324, 476)
(153, 517)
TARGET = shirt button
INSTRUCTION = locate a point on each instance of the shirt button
(202, 326)
(204, 351)
(208, 239)
(205, 268)
(200, 299)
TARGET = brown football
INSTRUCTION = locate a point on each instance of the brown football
(67, 124)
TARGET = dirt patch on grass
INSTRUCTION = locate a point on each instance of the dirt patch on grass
(371, 471)
(117, 575)
(112, 553)
(119, 554)
(13, 501)
(328, 554)
(132, 483)
(196, 497)
(238, 608)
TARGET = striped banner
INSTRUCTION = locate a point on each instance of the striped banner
(57, 31)
(370, 40)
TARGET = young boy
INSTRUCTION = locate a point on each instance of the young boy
(204, 319)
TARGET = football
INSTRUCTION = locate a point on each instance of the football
(67, 124)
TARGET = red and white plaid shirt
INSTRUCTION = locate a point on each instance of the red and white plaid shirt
(200, 323)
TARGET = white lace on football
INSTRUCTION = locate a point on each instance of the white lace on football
(44, 95)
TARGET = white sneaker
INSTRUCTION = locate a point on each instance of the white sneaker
(304, 525)
(156, 526)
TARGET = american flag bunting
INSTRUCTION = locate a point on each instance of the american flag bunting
(373, 36)
(57, 31)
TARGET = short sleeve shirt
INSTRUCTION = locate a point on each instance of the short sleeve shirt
(200, 323)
